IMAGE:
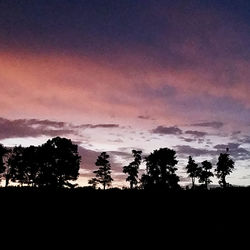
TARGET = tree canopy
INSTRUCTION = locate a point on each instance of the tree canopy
(103, 174)
(52, 164)
(133, 168)
(225, 166)
(160, 169)
(192, 170)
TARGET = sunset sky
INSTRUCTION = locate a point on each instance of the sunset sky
(117, 75)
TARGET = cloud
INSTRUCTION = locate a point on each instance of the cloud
(235, 150)
(145, 117)
(167, 130)
(118, 140)
(245, 139)
(195, 133)
(187, 139)
(186, 150)
(32, 128)
(214, 124)
(101, 125)
(236, 133)
(88, 158)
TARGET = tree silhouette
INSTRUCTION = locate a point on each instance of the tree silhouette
(160, 168)
(59, 162)
(103, 174)
(205, 173)
(52, 164)
(15, 171)
(225, 166)
(192, 170)
(132, 168)
(23, 165)
(3, 152)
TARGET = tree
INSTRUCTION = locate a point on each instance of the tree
(53, 164)
(59, 162)
(3, 152)
(160, 168)
(23, 165)
(16, 168)
(225, 166)
(192, 170)
(132, 168)
(205, 173)
(103, 174)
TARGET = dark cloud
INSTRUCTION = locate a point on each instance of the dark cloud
(108, 125)
(36, 128)
(167, 130)
(88, 158)
(235, 150)
(196, 133)
(185, 150)
(213, 124)
(231, 146)
(187, 139)
(32, 128)
(145, 117)
(236, 132)
(46, 123)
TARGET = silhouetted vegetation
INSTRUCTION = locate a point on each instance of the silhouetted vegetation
(225, 166)
(133, 168)
(57, 162)
(103, 174)
(205, 173)
(192, 170)
(160, 170)
(52, 164)
(3, 152)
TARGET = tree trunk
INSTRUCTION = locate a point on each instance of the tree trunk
(192, 182)
(223, 180)
(104, 186)
(7, 179)
(131, 185)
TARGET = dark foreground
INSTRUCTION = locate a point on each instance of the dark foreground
(130, 216)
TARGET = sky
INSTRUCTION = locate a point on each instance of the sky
(117, 75)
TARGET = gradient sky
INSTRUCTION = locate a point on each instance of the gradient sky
(117, 75)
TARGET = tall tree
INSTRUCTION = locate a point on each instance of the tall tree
(205, 173)
(192, 170)
(103, 174)
(225, 166)
(160, 168)
(133, 168)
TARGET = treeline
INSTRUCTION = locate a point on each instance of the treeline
(160, 173)
(57, 162)
(53, 164)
